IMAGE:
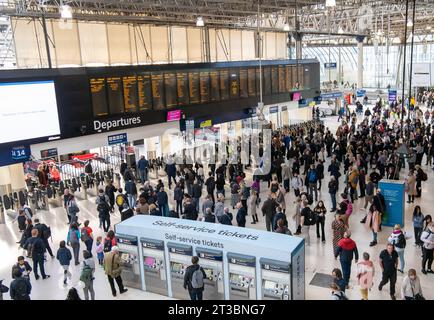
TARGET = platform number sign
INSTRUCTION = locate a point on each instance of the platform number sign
(20, 153)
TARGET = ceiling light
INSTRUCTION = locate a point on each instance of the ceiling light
(286, 27)
(409, 23)
(66, 12)
(340, 31)
(200, 22)
(428, 27)
(330, 3)
(380, 32)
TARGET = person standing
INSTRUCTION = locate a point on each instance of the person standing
(20, 287)
(411, 288)
(312, 180)
(321, 211)
(219, 206)
(103, 208)
(347, 250)
(66, 198)
(241, 215)
(113, 270)
(397, 238)
(110, 192)
(44, 232)
(365, 275)
(410, 186)
(36, 249)
(369, 192)
(253, 203)
(373, 221)
(87, 275)
(87, 236)
(163, 202)
(333, 189)
(23, 266)
(73, 240)
(389, 264)
(338, 229)
(427, 238)
(178, 195)
(64, 256)
(286, 175)
(131, 191)
(210, 185)
(418, 219)
(142, 166)
(72, 209)
(197, 193)
(269, 210)
(193, 279)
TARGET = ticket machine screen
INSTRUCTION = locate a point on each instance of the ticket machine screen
(241, 281)
(270, 285)
(149, 262)
(127, 258)
(176, 267)
(209, 273)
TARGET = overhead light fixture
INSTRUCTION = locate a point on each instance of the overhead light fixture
(200, 22)
(340, 31)
(286, 27)
(410, 23)
(380, 32)
(66, 12)
(428, 27)
(330, 3)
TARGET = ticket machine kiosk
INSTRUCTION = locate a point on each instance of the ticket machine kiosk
(154, 266)
(128, 251)
(242, 277)
(179, 259)
(212, 263)
(276, 279)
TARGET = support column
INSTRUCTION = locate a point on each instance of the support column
(298, 45)
(207, 50)
(360, 61)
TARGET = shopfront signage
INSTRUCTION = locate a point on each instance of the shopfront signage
(117, 139)
(206, 123)
(49, 153)
(274, 109)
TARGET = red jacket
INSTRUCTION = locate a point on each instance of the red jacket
(346, 249)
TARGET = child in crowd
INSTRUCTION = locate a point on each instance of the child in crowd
(100, 250)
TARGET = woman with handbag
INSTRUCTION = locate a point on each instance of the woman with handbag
(411, 288)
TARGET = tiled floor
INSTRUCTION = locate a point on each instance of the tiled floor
(319, 256)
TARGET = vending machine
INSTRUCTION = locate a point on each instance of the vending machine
(212, 263)
(128, 251)
(242, 277)
(154, 266)
(276, 279)
(179, 260)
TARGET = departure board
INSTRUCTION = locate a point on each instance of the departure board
(170, 89)
(115, 96)
(294, 76)
(194, 87)
(204, 86)
(214, 92)
(130, 93)
(282, 79)
(288, 78)
(145, 91)
(224, 84)
(274, 79)
(306, 76)
(267, 81)
(251, 82)
(157, 81)
(182, 88)
(234, 84)
(301, 76)
(99, 96)
(243, 84)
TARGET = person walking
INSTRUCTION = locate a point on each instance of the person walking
(241, 215)
(103, 208)
(268, 211)
(197, 193)
(389, 264)
(163, 202)
(110, 190)
(210, 185)
(347, 250)
(369, 192)
(321, 211)
(193, 279)
(410, 287)
(87, 236)
(142, 166)
(64, 256)
(253, 204)
(373, 221)
(312, 180)
(87, 275)
(131, 191)
(296, 184)
(178, 195)
(44, 232)
(365, 275)
(73, 240)
(20, 288)
(338, 231)
(397, 238)
(418, 219)
(72, 209)
(333, 189)
(113, 270)
(36, 249)
(410, 186)
(427, 238)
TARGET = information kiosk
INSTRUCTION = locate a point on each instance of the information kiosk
(179, 259)
(154, 266)
(128, 251)
(276, 279)
(242, 277)
(212, 263)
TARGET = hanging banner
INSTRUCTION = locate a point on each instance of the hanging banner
(392, 95)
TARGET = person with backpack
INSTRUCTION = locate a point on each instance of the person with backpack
(109, 241)
(373, 221)
(121, 199)
(337, 293)
(103, 208)
(66, 198)
(308, 218)
(397, 238)
(87, 236)
(73, 295)
(21, 220)
(36, 249)
(235, 187)
(389, 263)
(73, 240)
(345, 209)
(193, 279)
(427, 238)
(210, 185)
(347, 250)
(333, 189)
(44, 232)
(64, 256)
(110, 190)
(72, 209)
(127, 212)
(312, 181)
(20, 287)
(113, 270)
(87, 275)
(279, 216)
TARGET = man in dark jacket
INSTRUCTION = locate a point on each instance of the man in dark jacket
(20, 287)
(210, 185)
(193, 281)
(346, 250)
(171, 172)
(23, 266)
(131, 191)
(389, 265)
(123, 167)
(279, 215)
(197, 193)
(190, 212)
(241, 215)
(269, 210)
(334, 170)
(226, 218)
(43, 233)
(37, 249)
(163, 202)
(333, 188)
(142, 166)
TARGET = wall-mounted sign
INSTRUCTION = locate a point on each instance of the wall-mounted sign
(206, 123)
(330, 65)
(331, 95)
(274, 109)
(174, 115)
(360, 93)
(49, 153)
(117, 139)
(392, 95)
(20, 153)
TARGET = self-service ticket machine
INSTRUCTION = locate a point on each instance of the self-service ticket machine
(242, 277)
(128, 251)
(179, 259)
(154, 266)
(212, 263)
(276, 279)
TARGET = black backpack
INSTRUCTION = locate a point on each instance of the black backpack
(107, 245)
(401, 242)
(103, 205)
(47, 233)
(310, 217)
(21, 287)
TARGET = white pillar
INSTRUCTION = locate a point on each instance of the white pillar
(360, 62)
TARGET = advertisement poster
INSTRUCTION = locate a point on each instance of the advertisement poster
(394, 195)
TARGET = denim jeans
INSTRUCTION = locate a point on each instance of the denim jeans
(346, 270)
(143, 176)
(333, 198)
(400, 252)
(195, 294)
(131, 200)
(374, 236)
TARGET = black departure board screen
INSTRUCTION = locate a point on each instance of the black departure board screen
(251, 82)
(115, 96)
(288, 78)
(157, 81)
(294, 75)
(204, 87)
(182, 88)
(243, 84)
(282, 79)
(170, 89)
(267, 81)
(99, 96)
(306, 76)
(130, 93)
(274, 79)
(234, 84)
(224, 84)
(145, 91)
(194, 87)
(214, 91)
(301, 76)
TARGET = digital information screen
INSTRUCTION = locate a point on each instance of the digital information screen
(182, 88)
(267, 81)
(204, 87)
(288, 78)
(99, 96)
(157, 91)
(115, 96)
(224, 84)
(234, 91)
(28, 110)
(243, 84)
(274, 79)
(145, 92)
(130, 93)
(194, 90)
(282, 79)
(214, 86)
(251, 82)
(170, 89)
